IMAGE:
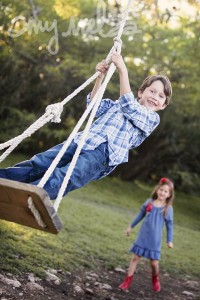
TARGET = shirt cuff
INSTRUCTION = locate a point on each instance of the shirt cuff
(129, 102)
(127, 97)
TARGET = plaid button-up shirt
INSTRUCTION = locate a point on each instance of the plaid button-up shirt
(124, 124)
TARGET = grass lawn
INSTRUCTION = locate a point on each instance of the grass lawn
(94, 219)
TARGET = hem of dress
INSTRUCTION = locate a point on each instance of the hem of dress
(151, 254)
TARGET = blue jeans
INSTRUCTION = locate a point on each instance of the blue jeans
(91, 165)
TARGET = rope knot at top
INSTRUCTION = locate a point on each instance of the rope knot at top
(117, 44)
(55, 110)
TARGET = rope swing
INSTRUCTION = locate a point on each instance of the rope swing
(53, 114)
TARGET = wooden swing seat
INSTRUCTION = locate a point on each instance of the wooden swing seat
(14, 206)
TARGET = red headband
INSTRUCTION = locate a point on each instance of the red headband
(164, 180)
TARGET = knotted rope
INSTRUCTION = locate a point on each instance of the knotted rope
(97, 99)
(53, 113)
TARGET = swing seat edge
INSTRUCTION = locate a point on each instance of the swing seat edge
(14, 206)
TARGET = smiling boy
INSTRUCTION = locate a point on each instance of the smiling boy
(121, 125)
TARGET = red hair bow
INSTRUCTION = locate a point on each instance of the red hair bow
(163, 180)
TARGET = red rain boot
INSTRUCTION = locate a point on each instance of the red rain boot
(156, 283)
(126, 283)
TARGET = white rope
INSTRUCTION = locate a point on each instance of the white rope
(53, 113)
(123, 20)
(26, 133)
(13, 143)
(35, 212)
(66, 145)
(73, 133)
(50, 115)
(71, 137)
(97, 98)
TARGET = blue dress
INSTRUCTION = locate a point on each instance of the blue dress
(149, 239)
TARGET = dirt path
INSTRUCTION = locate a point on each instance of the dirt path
(100, 285)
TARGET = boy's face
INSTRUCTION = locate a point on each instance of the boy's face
(153, 97)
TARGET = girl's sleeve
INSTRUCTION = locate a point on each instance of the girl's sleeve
(104, 105)
(170, 224)
(138, 114)
(141, 214)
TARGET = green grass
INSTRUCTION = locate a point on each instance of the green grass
(94, 219)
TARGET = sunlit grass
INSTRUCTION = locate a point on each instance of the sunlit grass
(94, 219)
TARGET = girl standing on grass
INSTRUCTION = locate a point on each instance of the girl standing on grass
(156, 211)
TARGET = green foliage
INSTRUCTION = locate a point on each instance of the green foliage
(31, 77)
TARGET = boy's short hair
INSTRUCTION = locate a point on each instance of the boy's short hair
(166, 82)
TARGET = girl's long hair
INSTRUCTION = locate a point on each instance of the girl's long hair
(170, 199)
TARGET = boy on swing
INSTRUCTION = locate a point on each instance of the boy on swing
(120, 126)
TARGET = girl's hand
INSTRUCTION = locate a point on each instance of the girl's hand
(170, 245)
(119, 62)
(103, 68)
(128, 231)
